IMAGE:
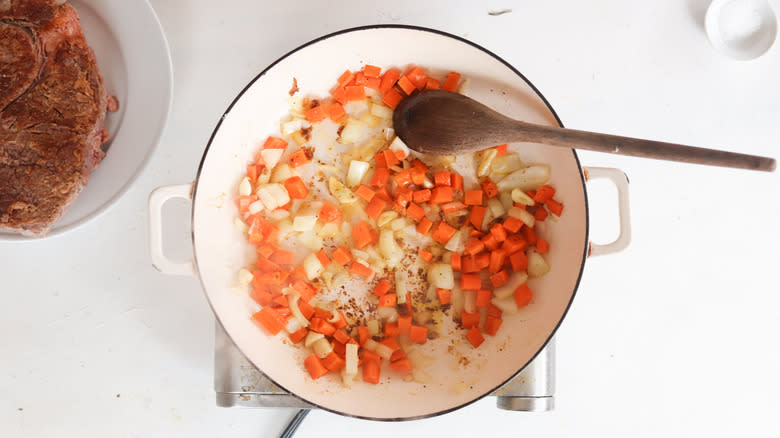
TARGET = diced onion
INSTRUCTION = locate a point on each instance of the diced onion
(457, 242)
(340, 191)
(381, 111)
(351, 359)
(322, 348)
(357, 170)
(523, 215)
(312, 337)
(458, 300)
(255, 207)
(281, 173)
(329, 230)
(273, 195)
(505, 164)
(292, 301)
(387, 314)
(398, 145)
(496, 207)
(278, 214)
(240, 225)
(521, 197)
(427, 183)
(392, 253)
(352, 131)
(384, 351)
(508, 289)
(400, 286)
(292, 325)
(441, 276)
(531, 177)
(311, 240)
(245, 277)
(506, 304)
(398, 224)
(373, 327)
(370, 344)
(245, 187)
(271, 157)
(487, 159)
(303, 222)
(312, 266)
(389, 133)
(537, 266)
(386, 217)
(292, 126)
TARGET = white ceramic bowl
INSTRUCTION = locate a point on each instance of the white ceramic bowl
(133, 56)
(741, 29)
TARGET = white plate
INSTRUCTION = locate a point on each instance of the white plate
(133, 57)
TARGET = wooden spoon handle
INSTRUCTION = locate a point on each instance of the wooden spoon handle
(615, 144)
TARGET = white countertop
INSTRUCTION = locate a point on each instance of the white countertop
(674, 336)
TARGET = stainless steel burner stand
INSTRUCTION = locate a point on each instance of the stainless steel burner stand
(239, 384)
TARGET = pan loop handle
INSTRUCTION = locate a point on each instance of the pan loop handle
(157, 199)
(620, 180)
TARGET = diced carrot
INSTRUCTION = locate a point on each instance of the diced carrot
(266, 250)
(404, 325)
(455, 262)
(421, 196)
(381, 162)
(363, 334)
(415, 212)
(283, 257)
(306, 291)
(403, 196)
(542, 246)
(339, 348)
(360, 269)
(417, 164)
(266, 265)
(443, 233)
(450, 207)
(417, 77)
(523, 295)
(299, 158)
(371, 372)
(321, 313)
(374, 235)
(341, 336)
(403, 178)
(354, 92)
(333, 362)
(341, 256)
(457, 182)
(298, 335)
(341, 322)
(468, 319)
(392, 98)
(397, 355)
(369, 356)
(380, 178)
(387, 300)
(391, 158)
(251, 172)
(360, 78)
(540, 214)
(492, 325)
(323, 258)
(474, 246)
(244, 202)
(274, 143)
(424, 226)
(330, 213)
(418, 334)
(498, 232)
(530, 235)
(316, 114)
(389, 78)
(451, 83)
(512, 224)
(260, 295)
(475, 337)
(403, 366)
(440, 195)
(391, 328)
(406, 85)
(335, 111)
(555, 207)
(544, 194)
(483, 297)
(482, 260)
(477, 216)
(418, 175)
(382, 287)
(346, 78)
(371, 71)
(494, 311)
(270, 319)
(490, 242)
(469, 265)
(361, 234)
(376, 207)
(497, 260)
(514, 244)
(489, 187)
(373, 83)
(500, 278)
(314, 366)
(473, 197)
(432, 84)
(519, 261)
(501, 149)
(339, 94)
(365, 192)
(470, 282)
(296, 187)
(442, 179)
(426, 255)
(320, 325)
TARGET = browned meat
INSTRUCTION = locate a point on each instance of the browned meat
(52, 108)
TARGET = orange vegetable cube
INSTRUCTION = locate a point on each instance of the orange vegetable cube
(451, 83)
(418, 334)
(392, 98)
(314, 366)
(523, 295)
(475, 337)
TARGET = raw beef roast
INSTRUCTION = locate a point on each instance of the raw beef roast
(52, 107)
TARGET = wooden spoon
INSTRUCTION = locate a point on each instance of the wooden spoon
(443, 123)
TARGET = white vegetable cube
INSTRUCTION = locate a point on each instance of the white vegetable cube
(304, 223)
(273, 195)
(399, 146)
(312, 266)
(537, 265)
(353, 129)
(390, 250)
(382, 111)
(271, 157)
(351, 359)
(357, 170)
(245, 187)
(281, 173)
(244, 276)
(441, 276)
(311, 338)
